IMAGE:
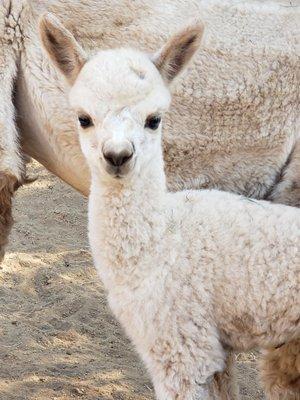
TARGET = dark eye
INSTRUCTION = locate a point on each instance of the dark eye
(85, 121)
(152, 122)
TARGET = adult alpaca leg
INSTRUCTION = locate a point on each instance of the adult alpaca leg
(224, 385)
(287, 191)
(10, 160)
(280, 372)
(280, 368)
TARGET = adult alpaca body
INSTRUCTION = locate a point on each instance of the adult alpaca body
(178, 280)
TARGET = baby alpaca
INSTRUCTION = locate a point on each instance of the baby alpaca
(189, 275)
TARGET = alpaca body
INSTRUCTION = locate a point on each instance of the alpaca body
(192, 274)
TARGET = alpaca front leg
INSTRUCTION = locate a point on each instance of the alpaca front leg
(224, 384)
(183, 367)
(280, 372)
(183, 382)
(288, 189)
(195, 392)
(10, 160)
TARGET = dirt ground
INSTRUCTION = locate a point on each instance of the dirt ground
(58, 339)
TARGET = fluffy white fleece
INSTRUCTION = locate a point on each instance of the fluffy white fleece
(191, 274)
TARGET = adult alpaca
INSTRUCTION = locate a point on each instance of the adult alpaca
(63, 48)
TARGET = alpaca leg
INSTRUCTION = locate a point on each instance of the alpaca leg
(10, 161)
(8, 183)
(280, 372)
(202, 392)
(176, 375)
(288, 189)
(224, 385)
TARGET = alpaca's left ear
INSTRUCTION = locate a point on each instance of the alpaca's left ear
(177, 52)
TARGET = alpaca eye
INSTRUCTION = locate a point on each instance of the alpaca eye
(85, 121)
(152, 122)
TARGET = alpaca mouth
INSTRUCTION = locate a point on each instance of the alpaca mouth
(118, 172)
(121, 172)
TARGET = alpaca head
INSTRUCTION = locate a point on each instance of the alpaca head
(119, 96)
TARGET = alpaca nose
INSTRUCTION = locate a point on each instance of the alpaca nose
(117, 159)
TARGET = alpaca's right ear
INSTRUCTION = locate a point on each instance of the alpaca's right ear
(62, 48)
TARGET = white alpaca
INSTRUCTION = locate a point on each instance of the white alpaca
(188, 274)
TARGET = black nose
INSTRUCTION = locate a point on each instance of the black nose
(118, 159)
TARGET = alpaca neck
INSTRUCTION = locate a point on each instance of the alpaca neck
(125, 218)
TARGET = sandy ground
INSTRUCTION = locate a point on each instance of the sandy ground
(58, 339)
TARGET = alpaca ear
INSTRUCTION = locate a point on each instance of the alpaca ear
(62, 48)
(172, 58)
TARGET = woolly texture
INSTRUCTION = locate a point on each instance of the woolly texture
(11, 169)
(202, 272)
(235, 113)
